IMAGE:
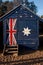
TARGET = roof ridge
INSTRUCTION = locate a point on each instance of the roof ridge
(31, 11)
(24, 7)
(10, 11)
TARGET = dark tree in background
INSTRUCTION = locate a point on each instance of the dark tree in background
(3, 10)
(31, 5)
(7, 6)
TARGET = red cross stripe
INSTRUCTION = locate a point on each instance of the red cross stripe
(11, 31)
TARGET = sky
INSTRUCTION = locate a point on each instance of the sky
(39, 4)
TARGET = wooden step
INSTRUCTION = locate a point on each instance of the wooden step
(11, 49)
(14, 46)
(12, 52)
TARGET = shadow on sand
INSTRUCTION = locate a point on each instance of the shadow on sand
(25, 50)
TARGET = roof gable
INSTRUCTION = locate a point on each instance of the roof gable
(19, 9)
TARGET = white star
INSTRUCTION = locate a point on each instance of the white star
(31, 16)
(20, 16)
(26, 31)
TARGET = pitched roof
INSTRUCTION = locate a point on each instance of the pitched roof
(9, 12)
(1, 18)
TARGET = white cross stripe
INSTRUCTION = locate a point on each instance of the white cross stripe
(13, 37)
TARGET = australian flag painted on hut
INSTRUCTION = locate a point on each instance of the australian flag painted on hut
(21, 26)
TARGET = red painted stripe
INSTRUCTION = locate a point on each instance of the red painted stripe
(11, 31)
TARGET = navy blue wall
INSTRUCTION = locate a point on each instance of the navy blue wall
(25, 18)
